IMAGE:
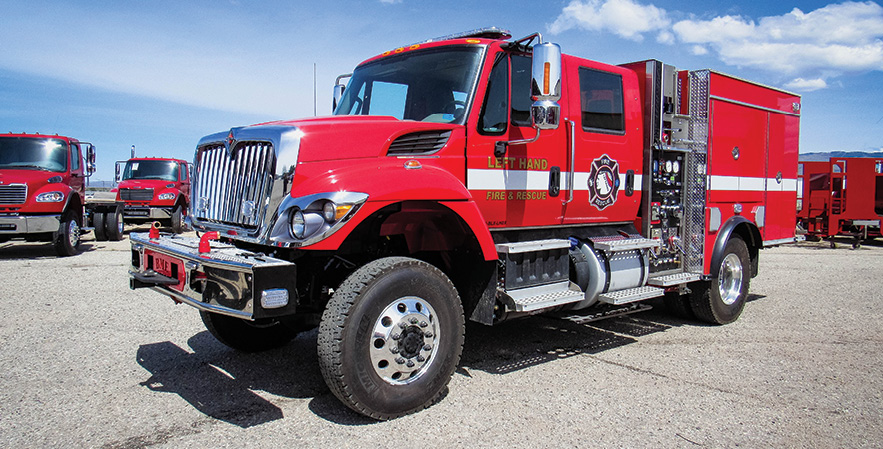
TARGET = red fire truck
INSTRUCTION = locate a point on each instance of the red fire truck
(154, 189)
(43, 192)
(478, 177)
(828, 205)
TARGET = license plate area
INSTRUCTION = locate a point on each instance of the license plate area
(167, 266)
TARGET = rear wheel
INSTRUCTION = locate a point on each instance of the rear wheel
(67, 239)
(721, 300)
(113, 225)
(247, 336)
(391, 337)
(98, 224)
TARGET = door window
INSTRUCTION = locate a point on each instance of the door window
(601, 101)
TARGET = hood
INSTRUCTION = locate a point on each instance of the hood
(144, 184)
(353, 136)
(34, 178)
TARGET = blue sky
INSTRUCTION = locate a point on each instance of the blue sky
(161, 74)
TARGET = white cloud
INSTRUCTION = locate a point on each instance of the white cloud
(624, 18)
(803, 85)
(845, 37)
(807, 46)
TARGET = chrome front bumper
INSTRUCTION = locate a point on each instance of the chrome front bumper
(29, 224)
(226, 280)
(147, 213)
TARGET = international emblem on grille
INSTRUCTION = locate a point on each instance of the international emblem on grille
(203, 203)
(230, 143)
(603, 182)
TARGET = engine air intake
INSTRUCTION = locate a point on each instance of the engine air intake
(13, 194)
(419, 143)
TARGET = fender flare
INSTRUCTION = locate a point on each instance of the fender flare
(725, 233)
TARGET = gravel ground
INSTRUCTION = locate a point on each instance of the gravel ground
(86, 362)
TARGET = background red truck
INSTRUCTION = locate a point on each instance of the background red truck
(841, 196)
(154, 189)
(477, 177)
(43, 192)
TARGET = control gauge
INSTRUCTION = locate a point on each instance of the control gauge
(668, 167)
(675, 167)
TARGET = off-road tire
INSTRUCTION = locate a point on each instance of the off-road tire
(113, 225)
(67, 239)
(98, 224)
(352, 357)
(733, 276)
(247, 336)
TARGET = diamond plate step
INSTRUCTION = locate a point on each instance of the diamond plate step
(673, 279)
(625, 244)
(631, 295)
(544, 296)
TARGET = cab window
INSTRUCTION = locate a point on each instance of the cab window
(521, 73)
(75, 157)
(601, 101)
(495, 111)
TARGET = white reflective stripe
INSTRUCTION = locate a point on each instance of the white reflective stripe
(491, 179)
(750, 184)
(478, 179)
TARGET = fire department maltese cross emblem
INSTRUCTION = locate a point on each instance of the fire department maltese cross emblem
(603, 182)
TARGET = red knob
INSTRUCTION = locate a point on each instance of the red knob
(204, 245)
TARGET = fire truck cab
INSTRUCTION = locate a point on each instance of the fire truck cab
(478, 177)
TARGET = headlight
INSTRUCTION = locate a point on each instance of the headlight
(298, 224)
(50, 197)
(166, 196)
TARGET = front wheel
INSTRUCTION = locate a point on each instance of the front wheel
(247, 336)
(391, 337)
(721, 300)
(67, 239)
(178, 219)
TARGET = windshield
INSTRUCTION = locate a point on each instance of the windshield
(29, 153)
(147, 169)
(432, 85)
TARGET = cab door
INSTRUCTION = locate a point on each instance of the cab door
(523, 186)
(77, 171)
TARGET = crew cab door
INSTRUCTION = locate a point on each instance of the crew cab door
(77, 169)
(608, 147)
(524, 186)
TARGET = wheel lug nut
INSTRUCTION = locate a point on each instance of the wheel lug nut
(396, 336)
(420, 358)
(413, 320)
(400, 360)
(424, 324)
(427, 334)
(402, 324)
(427, 347)
(394, 350)
(410, 363)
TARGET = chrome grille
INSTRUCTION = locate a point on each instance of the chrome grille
(233, 189)
(13, 194)
(136, 194)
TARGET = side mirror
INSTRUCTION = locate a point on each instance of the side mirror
(545, 86)
(90, 160)
(118, 174)
(338, 90)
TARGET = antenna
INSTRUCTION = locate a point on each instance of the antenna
(314, 91)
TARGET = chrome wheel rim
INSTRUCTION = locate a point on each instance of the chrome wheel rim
(730, 279)
(73, 233)
(405, 340)
(120, 224)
